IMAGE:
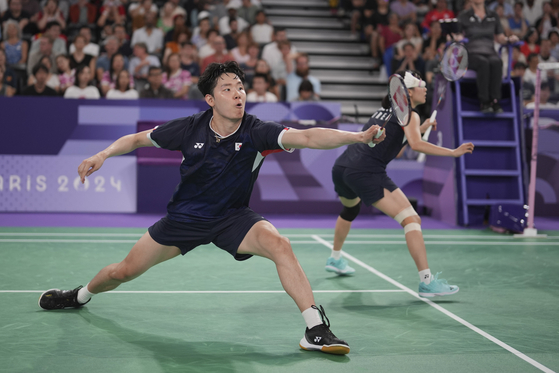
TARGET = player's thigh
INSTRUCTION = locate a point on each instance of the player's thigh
(349, 202)
(392, 202)
(145, 254)
(263, 239)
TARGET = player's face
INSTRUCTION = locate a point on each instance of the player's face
(418, 95)
(229, 97)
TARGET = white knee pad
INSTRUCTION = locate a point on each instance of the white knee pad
(405, 213)
(412, 227)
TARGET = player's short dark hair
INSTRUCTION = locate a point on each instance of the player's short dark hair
(40, 67)
(209, 78)
(263, 76)
(306, 86)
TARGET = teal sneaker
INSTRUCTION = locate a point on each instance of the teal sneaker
(436, 287)
(340, 267)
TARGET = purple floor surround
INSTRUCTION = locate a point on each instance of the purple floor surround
(280, 221)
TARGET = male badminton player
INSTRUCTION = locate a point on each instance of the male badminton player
(223, 150)
(359, 174)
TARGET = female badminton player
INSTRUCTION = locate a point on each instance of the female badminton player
(359, 174)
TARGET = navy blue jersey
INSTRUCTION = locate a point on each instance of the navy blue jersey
(363, 157)
(217, 177)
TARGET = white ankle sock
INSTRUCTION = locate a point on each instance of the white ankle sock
(425, 276)
(336, 254)
(312, 317)
(84, 295)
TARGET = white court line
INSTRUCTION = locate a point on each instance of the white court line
(50, 234)
(216, 291)
(439, 308)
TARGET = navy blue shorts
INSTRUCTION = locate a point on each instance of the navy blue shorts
(226, 233)
(369, 186)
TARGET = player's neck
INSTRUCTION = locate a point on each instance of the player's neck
(224, 126)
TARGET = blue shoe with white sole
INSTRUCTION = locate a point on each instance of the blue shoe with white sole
(339, 267)
(437, 287)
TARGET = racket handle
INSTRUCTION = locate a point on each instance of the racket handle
(426, 134)
(433, 116)
(379, 134)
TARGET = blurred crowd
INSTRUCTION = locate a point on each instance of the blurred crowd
(125, 49)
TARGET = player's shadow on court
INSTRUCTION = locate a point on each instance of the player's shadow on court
(175, 354)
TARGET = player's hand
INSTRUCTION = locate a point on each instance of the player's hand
(467, 147)
(428, 123)
(380, 138)
(370, 133)
(89, 166)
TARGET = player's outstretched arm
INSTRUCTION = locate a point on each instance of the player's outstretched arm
(124, 145)
(413, 135)
(326, 138)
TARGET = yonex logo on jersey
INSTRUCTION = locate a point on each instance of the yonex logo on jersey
(198, 145)
(317, 339)
(238, 146)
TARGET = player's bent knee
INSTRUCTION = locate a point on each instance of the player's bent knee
(350, 213)
(405, 213)
(123, 274)
(411, 227)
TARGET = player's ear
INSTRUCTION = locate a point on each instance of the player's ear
(209, 100)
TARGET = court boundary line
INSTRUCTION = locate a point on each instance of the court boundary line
(215, 291)
(439, 308)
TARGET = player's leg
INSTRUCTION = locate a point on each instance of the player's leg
(264, 240)
(335, 263)
(143, 255)
(396, 205)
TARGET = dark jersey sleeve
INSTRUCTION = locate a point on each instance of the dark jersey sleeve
(171, 134)
(266, 135)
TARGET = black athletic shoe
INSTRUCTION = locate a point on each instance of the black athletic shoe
(497, 109)
(56, 299)
(486, 108)
(320, 338)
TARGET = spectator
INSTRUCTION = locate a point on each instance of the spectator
(410, 60)
(110, 76)
(411, 35)
(52, 79)
(432, 67)
(39, 88)
(440, 11)
(104, 61)
(208, 49)
(250, 65)
(545, 94)
(260, 93)
(53, 32)
(240, 52)
(499, 10)
(66, 76)
(231, 37)
(530, 73)
(547, 21)
(174, 45)
(271, 52)
(553, 36)
(32, 7)
(82, 13)
(165, 21)
(435, 39)
(79, 57)
(518, 70)
(155, 88)
(301, 73)
(482, 27)
(262, 67)
(123, 89)
(150, 35)
(357, 16)
(178, 27)
(89, 48)
(5, 89)
(188, 61)
(306, 92)
(219, 56)
(50, 13)
(374, 21)
(82, 87)
(389, 35)
(9, 76)
(517, 23)
(223, 25)
(3, 6)
(15, 47)
(122, 37)
(138, 11)
(507, 8)
(262, 31)
(200, 34)
(248, 11)
(530, 42)
(533, 10)
(112, 12)
(175, 78)
(141, 62)
(518, 56)
(284, 67)
(16, 13)
(404, 9)
(45, 49)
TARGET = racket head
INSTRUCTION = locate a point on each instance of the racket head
(441, 89)
(454, 62)
(399, 99)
